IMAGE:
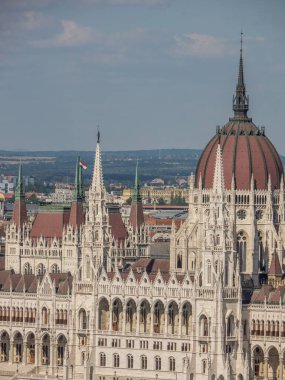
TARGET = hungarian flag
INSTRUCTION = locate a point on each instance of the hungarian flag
(84, 166)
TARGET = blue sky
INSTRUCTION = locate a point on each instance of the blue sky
(152, 73)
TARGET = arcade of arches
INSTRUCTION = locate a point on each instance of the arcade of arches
(22, 349)
(143, 317)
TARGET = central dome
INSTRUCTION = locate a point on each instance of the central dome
(246, 150)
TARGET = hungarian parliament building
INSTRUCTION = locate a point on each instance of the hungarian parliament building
(81, 297)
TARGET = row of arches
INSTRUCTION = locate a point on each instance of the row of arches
(144, 318)
(268, 328)
(269, 365)
(29, 315)
(18, 350)
(40, 269)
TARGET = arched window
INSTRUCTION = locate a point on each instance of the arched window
(54, 268)
(116, 360)
(204, 366)
(130, 361)
(171, 364)
(179, 261)
(102, 359)
(209, 272)
(28, 269)
(45, 316)
(41, 270)
(241, 249)
(261, 252)
(157, 360)
(87, 267)
(83, 319)
(143, 362)
(204, 326)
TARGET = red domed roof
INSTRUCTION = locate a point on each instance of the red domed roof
(246, 150)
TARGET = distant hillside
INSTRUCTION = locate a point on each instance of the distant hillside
(119, 166)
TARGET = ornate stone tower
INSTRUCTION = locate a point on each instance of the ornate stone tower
(96, 239)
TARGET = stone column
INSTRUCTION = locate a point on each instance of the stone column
(281, 367)
(166, 321)
(138, 320)
(252, 366)
(11, 352)
(180, 323)
(151, 319)
(111, 317)
(97, 319)
(24, 359)
(266, 368)
(124, 318)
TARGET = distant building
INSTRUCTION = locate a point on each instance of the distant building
(8, 182)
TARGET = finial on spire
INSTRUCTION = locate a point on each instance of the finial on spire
(136, 192)
(240, 99)
(98, 134)
(19, 191)
(77, 191)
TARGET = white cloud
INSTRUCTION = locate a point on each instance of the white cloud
(35, 20)
(74, 35)
(201, 45)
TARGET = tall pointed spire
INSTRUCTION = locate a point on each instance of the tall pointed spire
(20, 210)
(20, 191)
(240, 99)
(97, 181)
(77, 192)
(76, 217)
(136, 191)
(136, 215)
(219, 180)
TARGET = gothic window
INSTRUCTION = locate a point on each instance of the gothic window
(143, 362)
(241, 249)
(45, 316)
(41, 270)
(259, 214)
(102, 359)
(28, 269)
(82, 319)
(204, 366)
(172, 364)
(209, 272)
(55, 268)
(157, 360)
(116, 360)
(241, 214)
(130, 361)
(204, 326)
(88, 267)
(261, 252)
(226, 271)
(179, 261)
(96, 235)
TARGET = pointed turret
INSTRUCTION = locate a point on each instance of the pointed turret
(20, 210)
(219, 181)
(275, 270)
(97, 180)
(136, 215)
(240, 99)
(76, 217)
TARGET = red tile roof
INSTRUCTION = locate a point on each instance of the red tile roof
(275, 267)
(76, 217)
(50, 224)
(118, 229)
